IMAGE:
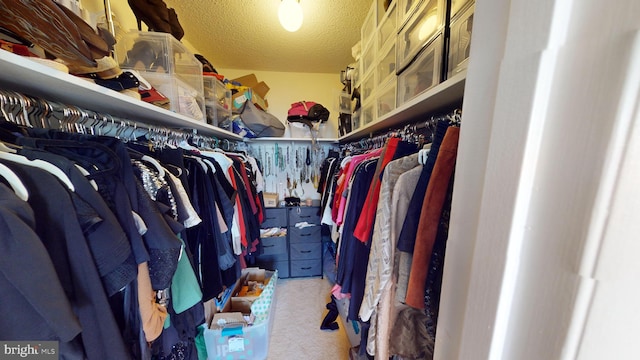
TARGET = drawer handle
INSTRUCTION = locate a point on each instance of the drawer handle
(265, 246)
(305, 251)
(304, 217)
(305, 234)
(306, 268)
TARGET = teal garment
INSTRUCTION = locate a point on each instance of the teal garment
(185, 289)
(201, 346)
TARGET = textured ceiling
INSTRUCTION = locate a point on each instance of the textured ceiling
(246, 34)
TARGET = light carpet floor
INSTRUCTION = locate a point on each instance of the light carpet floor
(300, 309)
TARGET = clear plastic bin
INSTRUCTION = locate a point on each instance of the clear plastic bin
(368, 87)
(237, 342)
(217, 100)
(355, 120)
(368, 28)
(387, 28)
(387, 66)
(168, 66)
(460, 43)
(386, 100)
(345, 103)
(422, 74)
(406, 8)
(457, 6)
(184, 99)
(423, 26)
(368, 113)
(368, 59)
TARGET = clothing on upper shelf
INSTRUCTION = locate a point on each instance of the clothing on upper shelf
(129, 241)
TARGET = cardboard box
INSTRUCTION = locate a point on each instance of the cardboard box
(252, 90)
(270, 200)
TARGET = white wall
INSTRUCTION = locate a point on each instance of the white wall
(540, 218)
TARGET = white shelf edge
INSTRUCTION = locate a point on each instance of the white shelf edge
(20, 74)
(442, 95)
(332, 140)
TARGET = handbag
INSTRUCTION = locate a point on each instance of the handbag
(261, 122)
(307, 110)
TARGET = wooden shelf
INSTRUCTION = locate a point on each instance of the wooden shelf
(446, 94)
(20, 74)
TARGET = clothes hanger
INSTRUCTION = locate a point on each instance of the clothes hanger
(15, 182)
(41, 164)
(84, 172)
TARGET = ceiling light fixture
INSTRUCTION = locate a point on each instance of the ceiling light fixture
(290, 15)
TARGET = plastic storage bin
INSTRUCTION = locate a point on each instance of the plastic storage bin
(388, 26)
(386, 100)
(406, 8)
(237, 342)
(457, 6)
(217, 100)
(460, 43)
(168, 65)
(387, 66)
(422, 74)
(423, 26)
(368, 112)
(355, 120)
(369, 58)
(368, 28)
(345, 103)
(368, 87)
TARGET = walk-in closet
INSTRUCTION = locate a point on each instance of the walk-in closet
(299, 179)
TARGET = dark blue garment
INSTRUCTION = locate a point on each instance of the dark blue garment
(109, 245)
(407, 238)
(201, 238)
(62, 236)
(362, 178)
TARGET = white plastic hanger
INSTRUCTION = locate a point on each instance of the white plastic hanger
(155, 164)
(84, 172)
(15, 182)
(210, 164)
(41, 164)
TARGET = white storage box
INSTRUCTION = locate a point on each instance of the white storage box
(217, 100)
(368, 112)
(369, 58)
(386, 99)
(422, 74)
(460, 43)
(388, 26)
(368, 28)
(423, 26)
(406, 8)
(368, 87)
(168, 65)
(457, 6)
(387, 66)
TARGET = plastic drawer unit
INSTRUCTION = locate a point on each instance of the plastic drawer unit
(388, 27)
(422, 28)
(305, 241)
(168, 66)
(386, 100)
(368, 112)
(387, 66)
(368, 28)
(406, 8)
(274, 251)
(217, 100)
(460, 41)
(422, 74)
